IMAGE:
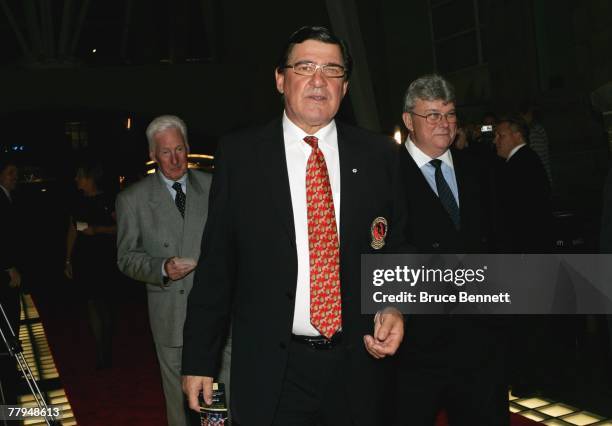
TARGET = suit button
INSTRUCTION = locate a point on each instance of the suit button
(182, 291)
(282, 345)
(289, 295)
(435, 245)
(166, 245)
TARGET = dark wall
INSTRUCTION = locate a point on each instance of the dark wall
(555, 52)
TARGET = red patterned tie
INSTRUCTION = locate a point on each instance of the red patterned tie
(323, 246)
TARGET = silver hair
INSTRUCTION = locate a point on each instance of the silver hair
(165, 122)
(432, 87)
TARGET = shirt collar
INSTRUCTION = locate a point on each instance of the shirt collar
(420, 158)
(514, 150)
(294, 134)
(6, 191)
(169, 182)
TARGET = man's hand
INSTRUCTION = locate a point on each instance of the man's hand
(177, 270)
(15, 278)
(193, 385)
(388, 333)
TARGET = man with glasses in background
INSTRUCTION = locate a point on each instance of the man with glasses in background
(446, 362)
(293, 206)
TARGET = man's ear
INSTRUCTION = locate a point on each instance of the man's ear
(344, 87)
(280, 80)
(407, 118)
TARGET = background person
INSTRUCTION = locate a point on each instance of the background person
(91, 255)
(160, 223)
(448, 361)
(10, 277)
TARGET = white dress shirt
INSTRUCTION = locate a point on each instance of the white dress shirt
(169, 183)
(8, 194)
(514, 150)
(297, 152)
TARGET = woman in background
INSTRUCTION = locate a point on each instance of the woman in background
(91, 255)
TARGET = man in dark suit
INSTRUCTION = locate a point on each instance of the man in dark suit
(524, 191)
(293, 205)
(448, 362)
(10, 278)
(605, 247)
(524, 226)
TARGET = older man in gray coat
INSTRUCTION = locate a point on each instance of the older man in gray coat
(160, 223)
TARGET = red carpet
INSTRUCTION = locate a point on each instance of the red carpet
(128, 393)
(515, 420)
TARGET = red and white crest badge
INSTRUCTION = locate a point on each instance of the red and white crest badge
(379, 230)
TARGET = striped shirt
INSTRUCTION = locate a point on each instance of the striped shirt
(538, 141)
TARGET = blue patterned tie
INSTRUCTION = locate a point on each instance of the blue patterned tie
(445, 194)
(180, 198)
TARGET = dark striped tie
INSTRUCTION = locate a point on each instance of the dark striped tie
(445, 194)
(180, 198)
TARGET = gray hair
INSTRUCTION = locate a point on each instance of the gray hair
(432, 87)
(516, 124)
(165, 122)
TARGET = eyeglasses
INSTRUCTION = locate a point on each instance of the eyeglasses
(309, 68)
(436, 117)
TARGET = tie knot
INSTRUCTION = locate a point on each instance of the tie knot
(436, 163)
(177, 187)
(313, 141)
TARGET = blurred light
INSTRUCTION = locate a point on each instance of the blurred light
(152, 167)
(557, 410)
(128, 124)
(533, 402)
(581, 418)
(514, 409)
(534, 415)
(397, 135)
(43, 190)
(94, 50)
(205, 156)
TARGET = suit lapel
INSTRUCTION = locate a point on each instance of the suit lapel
(5, 202)
(350, 157)
(194, 211)
(273, 163)
(413, 177)
(463, 187)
